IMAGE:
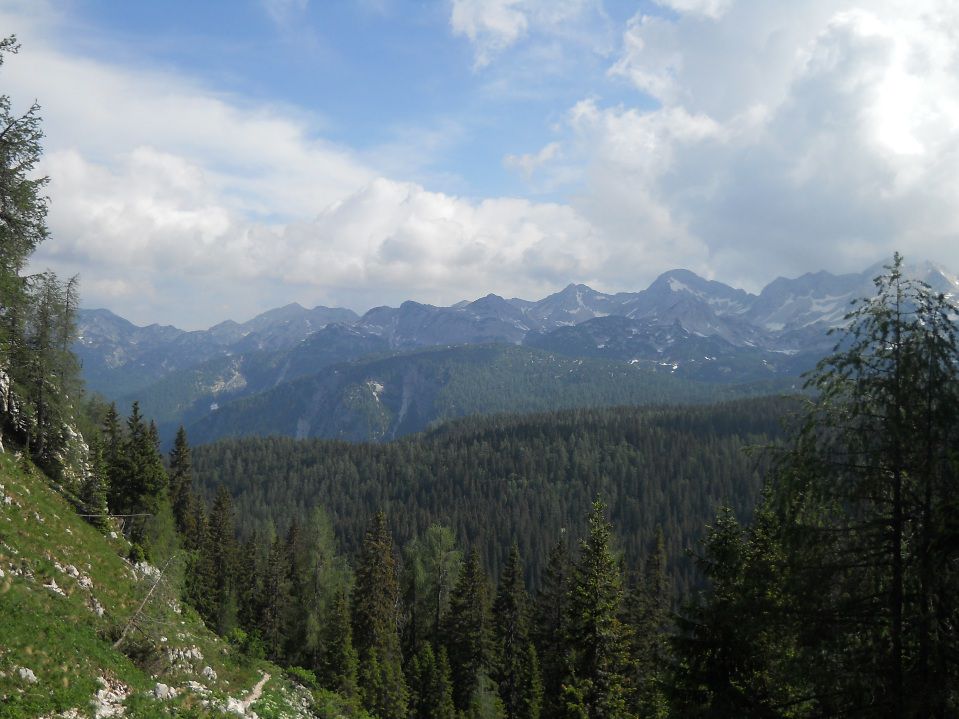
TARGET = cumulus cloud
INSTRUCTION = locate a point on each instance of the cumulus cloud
(154, 218)
(177, 203)
(762, 139)
(492, 26)
(712, 9)
(784, 138)
(528, 163)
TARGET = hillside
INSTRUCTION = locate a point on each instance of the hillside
(67, 594)
(385, 398)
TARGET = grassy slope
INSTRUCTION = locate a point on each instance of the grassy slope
(68, 647)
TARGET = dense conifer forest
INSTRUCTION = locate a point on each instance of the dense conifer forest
(523, 479)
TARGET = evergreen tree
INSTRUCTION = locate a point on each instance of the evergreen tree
(467, 631)
(220, 550)
(181, 484)
(864, 501)
(431, 685)
(94, 491)
(338, 666)
(736, 646)
(376, 624)
(249, 584)
(274, 601)
(550, 627)
(201, 571)
(519, 687)
(598, 640)
(648, 617)
(114, 461)
(144, 486)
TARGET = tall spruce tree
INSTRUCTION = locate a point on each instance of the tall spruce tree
(338, 664)
(736, 645)
(143, 489)
(550, 630)
(221, 551)
(467, 632)
(114, 461)
(94, 490)
(274, 600)
(598, 640)
(181, 484)
(249, 584)
(648, 614)
(376, 624)
(515, 668)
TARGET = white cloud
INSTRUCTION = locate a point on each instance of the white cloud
(713, 9)
(782, 138)
(787, 138)
(492, 26)
(528, 164)
(178, 204)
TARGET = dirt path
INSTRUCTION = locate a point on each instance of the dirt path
(256, 692)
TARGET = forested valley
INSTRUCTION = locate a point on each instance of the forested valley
(767, 557)
(777, 557)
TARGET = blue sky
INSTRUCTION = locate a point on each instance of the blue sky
(210, 160)
(377, 75)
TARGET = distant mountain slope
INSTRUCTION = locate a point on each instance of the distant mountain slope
(119, 357)
(185, 395)
(385, 398)
(689, 327)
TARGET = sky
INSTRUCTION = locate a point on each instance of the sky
(211, 160)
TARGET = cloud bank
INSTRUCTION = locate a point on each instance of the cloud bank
(746, 140)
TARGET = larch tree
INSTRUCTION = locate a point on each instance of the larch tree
(868, 499)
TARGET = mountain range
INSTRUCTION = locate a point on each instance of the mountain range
(394, 370)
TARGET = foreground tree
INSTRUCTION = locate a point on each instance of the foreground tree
(39, 372)
(376, 624)
(845, 586)
(182, 499)
(23, 212)
(467, 632)
(871, 490)
(597, 685)
(515, 664)
(550, 630)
